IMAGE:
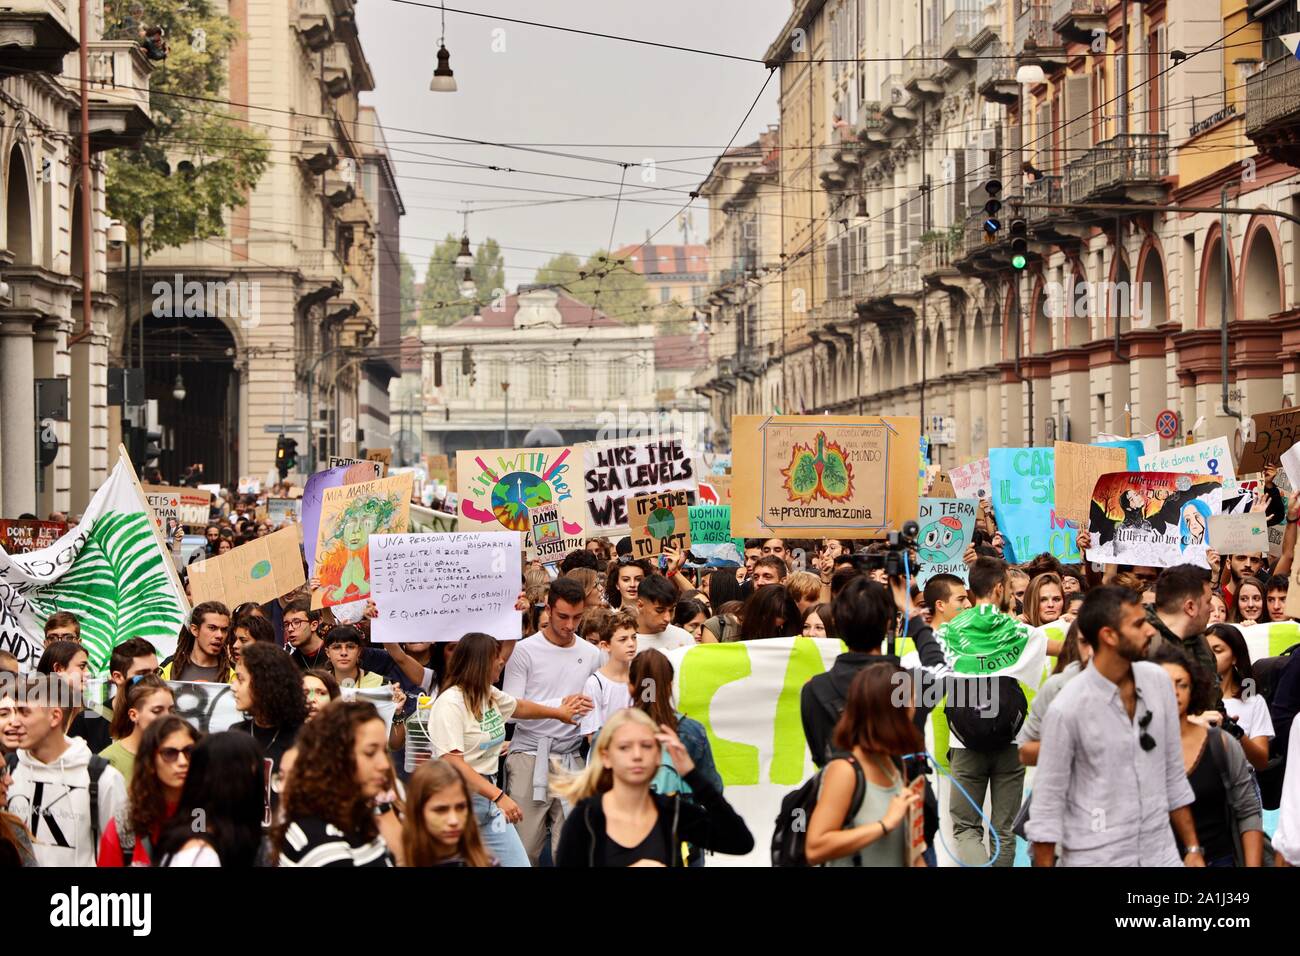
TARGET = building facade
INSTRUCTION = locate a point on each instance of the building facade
(675, 275)
(46, 331)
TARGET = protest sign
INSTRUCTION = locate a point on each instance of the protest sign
(381, 456)
(1153, 518)
(214, 490)
(659, 522)
(947, 526)
(261, 570)
(113, 571)
(1023, 489)
(438, 468)
(1270, 639)
(497, 487)
(191, 505)
(436, 586)
(547, 536)
(1078, 467)
(210, 708)
(1275, 433)
(616, 471)
(166, 512)
(22, 535)
(1239, 494)
(1133, 452)
(746, 694)
(1213, 457)
(348, 516)
(1150, 442)
(377, 466)
(711, 524)
(350, 472)
(1290, 461)
(282, 510)
(970, 480)
(249, 486)
(823, 475)
(715, 490)
(942, 487)
(1239, 534)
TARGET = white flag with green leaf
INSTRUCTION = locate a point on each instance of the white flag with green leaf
(110, 570)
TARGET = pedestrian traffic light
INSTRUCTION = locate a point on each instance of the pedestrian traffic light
(1019, 243)
(992, 224)
(152, 447)
(437, 370)
(286, 455)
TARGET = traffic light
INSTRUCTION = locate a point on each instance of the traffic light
(152, 447)
(992, 224)
(437, 370)
(286, 455)
(1019, 244)
(466, 363)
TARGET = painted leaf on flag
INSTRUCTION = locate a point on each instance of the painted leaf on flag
(110, 571)
(981, 642)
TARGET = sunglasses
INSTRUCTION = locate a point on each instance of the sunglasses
(171, 754)
(1145, 739)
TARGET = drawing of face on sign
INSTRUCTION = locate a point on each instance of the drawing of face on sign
(1192, 524)
(1133, 504)
(344, 565)
(939, 540)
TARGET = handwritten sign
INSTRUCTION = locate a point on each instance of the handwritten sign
(711, 524)
(1153, 518)
(970, 480)
(1275, 433)
(616, 471)
(259, 571)
(438, 587)
(249, 486)
(1213, 457)
(1239, 533)
(191, 506)
(497, 487)
(1078, 467)
(1024, 503)
(659, 522)
(348, 516)
(378, 466)
(282, 510)
(21, 535)
(947, 527)
(380, 456)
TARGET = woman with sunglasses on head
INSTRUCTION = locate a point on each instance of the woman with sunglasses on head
(142, 700)
(1227, 810)
(154, 792)
(225, 789)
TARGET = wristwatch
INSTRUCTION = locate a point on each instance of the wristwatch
(1198, 850)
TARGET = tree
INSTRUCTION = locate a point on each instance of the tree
(408, 306)
(199, 160)
(442, 303)
(605, 285)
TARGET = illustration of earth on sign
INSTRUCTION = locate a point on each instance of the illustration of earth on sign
(514, 494)
(661, 523)
(820, 471)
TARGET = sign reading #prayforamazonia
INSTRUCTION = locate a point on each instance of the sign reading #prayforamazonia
(1153, 518)
(497, 487)
(1023, 486)
(616, 471)
(824, 475)
(947, 526)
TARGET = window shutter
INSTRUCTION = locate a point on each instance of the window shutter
(846, 262)
(1044, 137)
(1078, 129)
(959, 189)
(915, 222)
(832, 268)
(888, 214)
(864, 250)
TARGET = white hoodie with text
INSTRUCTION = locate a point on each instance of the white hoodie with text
(53, 800)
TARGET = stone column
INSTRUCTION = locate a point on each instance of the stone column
(18, 399)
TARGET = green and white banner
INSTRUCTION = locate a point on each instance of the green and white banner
(1270, 640)
(111, 571)
(981, 642)
(746, 694)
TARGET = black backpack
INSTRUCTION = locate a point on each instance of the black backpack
(1268, 670)
(984, 730)
(94, 769)
(791, 832)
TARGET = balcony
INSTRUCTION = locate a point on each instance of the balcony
(35, 35)
(314, 32)
(1273, 110)
(893, 97)
(936, 254)
(1076, 20)
(872, 123)
(958, 33)
(922, 68)
(1046, 189)
(829, 171)
(1126, 168)
(995, 75)
(1036, 39)
(118, 96)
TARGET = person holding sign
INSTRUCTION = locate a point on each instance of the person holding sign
(467, 728)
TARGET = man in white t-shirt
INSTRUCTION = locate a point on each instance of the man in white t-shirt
(656, 600)
(550, 667)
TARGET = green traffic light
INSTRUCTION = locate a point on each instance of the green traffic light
(1018, 261)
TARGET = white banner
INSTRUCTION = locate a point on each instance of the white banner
(210, 707)
(1213, 457)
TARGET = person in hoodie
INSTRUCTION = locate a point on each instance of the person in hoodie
(617, 820)
(52, 779)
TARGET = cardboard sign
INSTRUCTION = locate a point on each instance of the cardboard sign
(1133, 452)
(1078, 467)
(282, 510)
(435, 586)
(259, 571)
(191, 505)
(716, 490)
(547, 536)
(383, 456)
(970, 480)
(1239, 533)
(947, 527)
(659, 522)
(614, 472)
(21, 535)
(1157, 519)
(942, 487)
(1024, 503)
(1213, 457)
(496, 489)
(1275, 433)
(823, 475)
(378, 466)
(249, 486)
(348, 516)
(438, 468)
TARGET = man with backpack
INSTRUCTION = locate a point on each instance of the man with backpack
(984, 757)
(63, 793)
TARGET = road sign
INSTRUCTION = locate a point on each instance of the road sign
(286, 428)
(1167, 423)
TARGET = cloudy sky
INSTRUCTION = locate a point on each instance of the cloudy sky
(602, 102)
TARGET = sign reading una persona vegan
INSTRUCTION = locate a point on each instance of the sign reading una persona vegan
(827, 475)
(1023, 486)
(616, 471)
(946, 528)
(1153, 518)
(498, 487)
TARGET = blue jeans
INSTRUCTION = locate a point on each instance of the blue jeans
(499, 835)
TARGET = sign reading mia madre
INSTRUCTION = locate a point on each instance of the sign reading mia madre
(439, 586)
(616, 471)
(1153, 518)
(746, 694)
(823, 475)
(947, 527)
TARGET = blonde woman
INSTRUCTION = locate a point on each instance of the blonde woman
(618, 821)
